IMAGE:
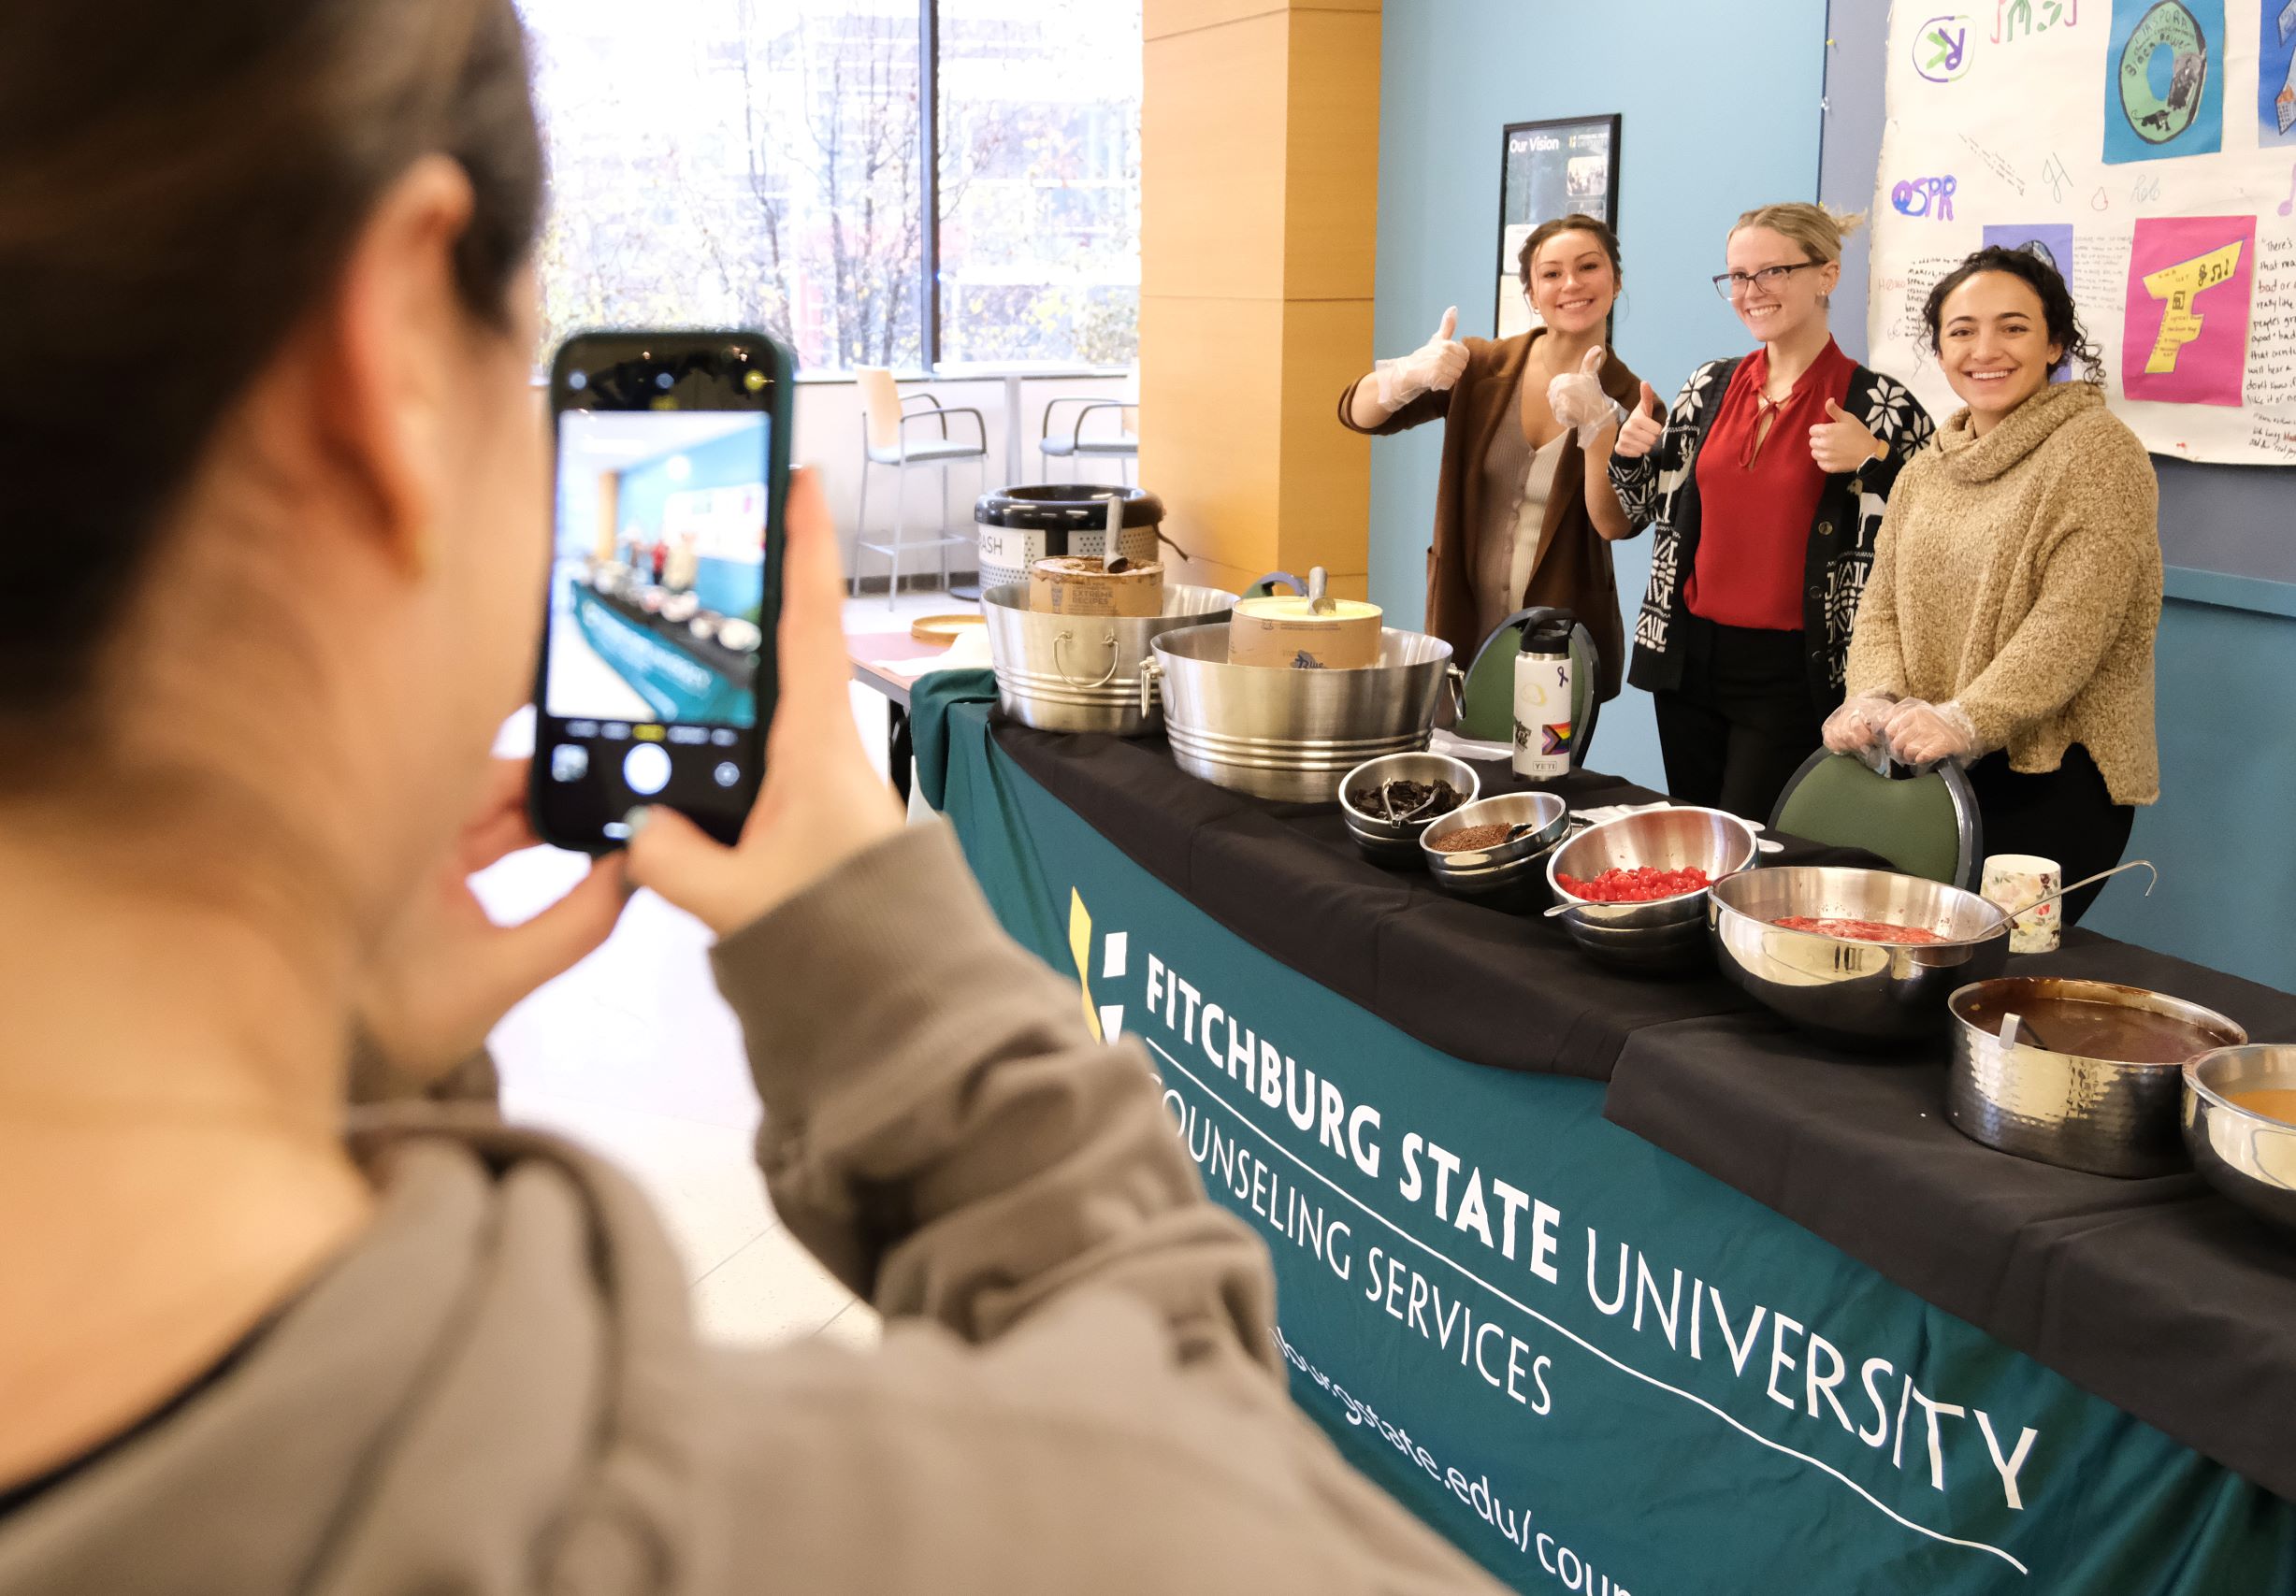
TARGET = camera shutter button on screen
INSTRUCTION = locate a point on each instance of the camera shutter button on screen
(647, 768)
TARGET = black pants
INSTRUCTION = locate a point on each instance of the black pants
(1741, 722)
(2064, 814)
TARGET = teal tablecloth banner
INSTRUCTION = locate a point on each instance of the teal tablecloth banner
(1596, 1368)
(930, 698)
(675, 685)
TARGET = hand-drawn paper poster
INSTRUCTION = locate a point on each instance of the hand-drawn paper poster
(1550, 169)
(2276, 77)
(2164, 80)
(2114, 136)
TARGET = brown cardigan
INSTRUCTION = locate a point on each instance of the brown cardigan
(1572, 571)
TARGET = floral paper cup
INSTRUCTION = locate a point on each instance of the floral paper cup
(2015, 880)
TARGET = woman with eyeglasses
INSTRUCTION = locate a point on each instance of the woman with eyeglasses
(1518, 517)
(1765, 487)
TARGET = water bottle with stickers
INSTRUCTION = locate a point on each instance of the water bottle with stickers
(1543, 695)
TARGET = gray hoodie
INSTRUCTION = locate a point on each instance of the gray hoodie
(497, 1390)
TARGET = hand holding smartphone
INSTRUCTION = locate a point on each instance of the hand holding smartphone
(658, 675)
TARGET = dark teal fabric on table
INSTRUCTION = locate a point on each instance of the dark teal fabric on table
(930, 698)
(1595, 1367)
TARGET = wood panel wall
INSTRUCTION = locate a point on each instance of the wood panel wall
(1259, 131)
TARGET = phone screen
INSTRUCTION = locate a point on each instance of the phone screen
(656, 675)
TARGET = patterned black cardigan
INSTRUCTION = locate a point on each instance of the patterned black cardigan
(1661, 489)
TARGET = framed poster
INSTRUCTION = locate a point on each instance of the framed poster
(1548, 169)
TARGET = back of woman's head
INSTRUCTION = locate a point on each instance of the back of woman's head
(1819, 231)
(180, 182)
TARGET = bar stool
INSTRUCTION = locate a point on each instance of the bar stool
(887, 440)
(1072, 445)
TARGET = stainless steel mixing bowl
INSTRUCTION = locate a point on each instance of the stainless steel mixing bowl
(2247, 1156)
(1864, 994)
(1395, 842)
(1666, 933)
(1082, 673)
(2106, 1116)
(1291, 734)
(1510, 876)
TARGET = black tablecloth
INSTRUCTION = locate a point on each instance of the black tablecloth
(2157, 1295)
(1286, 879)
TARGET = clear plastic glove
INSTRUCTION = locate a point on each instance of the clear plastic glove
(1858, 728)
(1928, 734)
(1644, 426)
(1431, 368)
(1577, 402)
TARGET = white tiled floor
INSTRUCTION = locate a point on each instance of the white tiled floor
(632, 1052)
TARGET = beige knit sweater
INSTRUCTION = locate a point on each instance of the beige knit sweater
(2018, 576)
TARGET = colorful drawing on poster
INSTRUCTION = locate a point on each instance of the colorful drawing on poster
(2275, 80)
(2164, 80)
(2053, 242)
(2186, 329)
(1942, 47)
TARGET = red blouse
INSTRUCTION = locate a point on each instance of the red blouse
(1756, 502)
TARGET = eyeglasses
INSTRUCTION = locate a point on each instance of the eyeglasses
(1730, 284)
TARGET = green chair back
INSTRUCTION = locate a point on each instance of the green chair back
(1490, 713)
(1925, 825)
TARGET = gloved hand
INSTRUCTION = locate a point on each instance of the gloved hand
(1928, 734)
(1856, 728)
(1433, 367)
(1640, 433)
(1841, 443)
(1578, 401)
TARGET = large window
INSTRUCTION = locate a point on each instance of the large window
(761, 162)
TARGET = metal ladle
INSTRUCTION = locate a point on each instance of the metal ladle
(2090, 880)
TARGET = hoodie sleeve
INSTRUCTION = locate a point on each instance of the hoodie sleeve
(1075, 1335)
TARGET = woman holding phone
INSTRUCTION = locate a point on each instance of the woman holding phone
(2016, 587)
(1515, 523)
(248, 691)
(1764, 487)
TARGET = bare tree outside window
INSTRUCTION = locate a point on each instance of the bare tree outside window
(757, 163)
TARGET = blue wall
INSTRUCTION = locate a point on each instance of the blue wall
(1721, 109)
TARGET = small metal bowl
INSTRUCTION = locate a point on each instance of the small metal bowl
(1859, 994)
(1512, 876)
(1395, 843)
(2247, 1156)
(2109, 1116)
(1664, 933)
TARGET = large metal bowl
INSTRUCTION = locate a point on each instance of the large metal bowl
(1395, 842)
(1862, 994)
(1512, 876)
(1666, 933)
(2247, 1156)
(1082, 673)
(2110, 1116)
(1291, 734)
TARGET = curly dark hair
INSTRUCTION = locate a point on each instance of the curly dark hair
(2030, 264)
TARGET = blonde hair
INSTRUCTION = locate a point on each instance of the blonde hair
(1816, 228)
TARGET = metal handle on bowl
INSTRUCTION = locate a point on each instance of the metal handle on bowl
(1769, 845)
(1150, 673)
(1456, 679)
(1060, 641)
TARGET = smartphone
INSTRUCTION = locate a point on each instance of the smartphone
(657, 676)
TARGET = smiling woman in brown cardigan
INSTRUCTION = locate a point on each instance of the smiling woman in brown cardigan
(1513, 526)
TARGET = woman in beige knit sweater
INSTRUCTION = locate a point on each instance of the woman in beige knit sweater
(2016, 593)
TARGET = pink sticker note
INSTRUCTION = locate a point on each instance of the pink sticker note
(2185, 337)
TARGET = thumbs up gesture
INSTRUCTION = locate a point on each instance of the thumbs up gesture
(1840, 443)
(1641, 430)
(1577, 400)
(1433, 367)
